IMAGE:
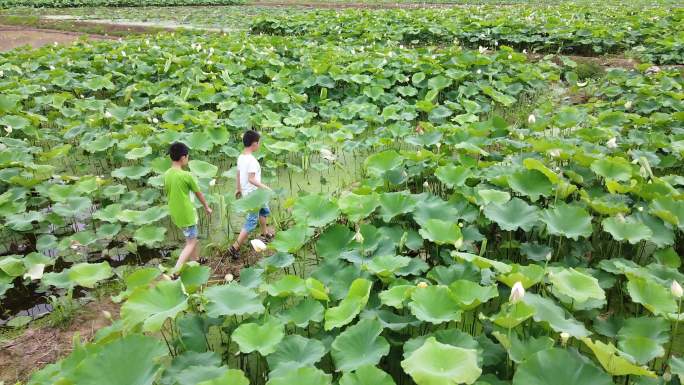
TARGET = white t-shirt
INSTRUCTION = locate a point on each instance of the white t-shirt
(246, 164)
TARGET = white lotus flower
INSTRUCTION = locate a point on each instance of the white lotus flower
(496, 43)
(640, 208)
(107, 114)
(510, 57)
(358, 237)
(479, 71)
(258, 245)
(209, 62)
(517, 292)
(564, 338)
(35, 272)
(554, 153)
(43, 88)
(155, 120)
(229, 277)
(212, 182)
(52, 68)
(426, 184)
(123, 53)
(2, 73)
(422, 284)
(438, 144)
(327, 155)
(460, 224)
(628, 105)
(8, 129)
(531, 119)
(548, 256)
(676, 289)
(612, 143)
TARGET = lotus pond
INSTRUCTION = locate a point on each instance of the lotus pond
(444, 215)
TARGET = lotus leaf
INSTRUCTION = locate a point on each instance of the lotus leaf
(153, 306)
(434, 304)
(435, 363)
(560, 367)
(262, 338)
(359, 345)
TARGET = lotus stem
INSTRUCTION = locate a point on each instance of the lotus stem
(674, 332)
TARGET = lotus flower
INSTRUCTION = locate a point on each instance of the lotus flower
(8, 128)
(422, 285)
(123, 53)
(510, 57)
(212, 182)
(358, 237)
(2, 73)
(258, 245)
(426, 184)
(517, 292)
(52, 67)
(155, 120)
(612, 143)
(531, 119)
(554, 153)
(229, 277)
(676, 289)
(628, 105)
(107, 114)
(564, 338)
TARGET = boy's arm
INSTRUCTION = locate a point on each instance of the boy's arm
(252, 179)
(200, 196)
(238, 188)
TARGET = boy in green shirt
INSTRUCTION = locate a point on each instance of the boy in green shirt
(178, 183)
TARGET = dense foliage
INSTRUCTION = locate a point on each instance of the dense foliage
(110, 3)
(501, 221)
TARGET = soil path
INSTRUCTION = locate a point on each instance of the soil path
(17, 36)
(41, 346)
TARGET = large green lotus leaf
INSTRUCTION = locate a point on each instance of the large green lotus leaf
(669, 210)
(385, 266)
(662, 234)
(613, 168)
(202, 169)
(434, 304)
(262, 338)
(144, 217)
(612, 360)
(444, 275)
(511, 315)
(194, 276)
(304, 312)
(382, 162)
(654, 297)
(232, 299)
(489, 196)
(482, 262)
(81, 274)
(72, 206)
(396, 203)
(357, 207)
(230, 377)
(149, 235)
(152, 306)
(131, 172)
(359, 345)
(433, 207)
(350, 306)
(286, 286)
(470, 295)
(643, 338)
(567, 220)
(579, 286)
(627, 229)
(435, 363)
(396, 296)
(453, 176)
(441, 232)
(366, 375)
(530, 183)
(132, 359)
(535, 164)
(559, 367)
(452, 337)
(12, 265)
(512, 215)
(138, 152)
(527, 275)
(315, 210)
(277, 261)
(61, 192)
(24, 221)
(302, 376)
(253, 201)
(316, 289)
(295, 352)
(546, 310)
(292, 239)
(520, 349)
(198, 374)
(677, 367)
(333, 241)
(140, 277)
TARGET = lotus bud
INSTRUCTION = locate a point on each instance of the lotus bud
(212, 182)
(43, 88)
(258, 245)
(438, 144)
(531, 119)
(479, 71)
(229, 277)
(548, 256)
(628, 105)
(640, 208)
(426, 184)
(358, 237)
(612, 143)
(155, 120)
(107, 314)
(209, 62)
(2, 73)
(422, 285)
(676, 289)
(52, 68)
(555, 153)
(517, 292)
(510, 57)
(107, 114)
(123, 53)
(8, 129)
(460, 224)
(564, 338)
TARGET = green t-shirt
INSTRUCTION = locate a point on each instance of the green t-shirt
(178, 184)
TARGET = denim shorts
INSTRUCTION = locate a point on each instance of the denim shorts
(253, 218)
(190, 232)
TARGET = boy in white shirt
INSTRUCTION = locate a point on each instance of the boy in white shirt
(249, 180)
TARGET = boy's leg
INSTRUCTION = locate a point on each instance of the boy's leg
(264, 213)
(191, 246)
(250, 224)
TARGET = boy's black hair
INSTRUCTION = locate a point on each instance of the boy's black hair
(250, 137)
(178, 150)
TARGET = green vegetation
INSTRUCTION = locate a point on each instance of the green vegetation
(445, 215)
(109, 3)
